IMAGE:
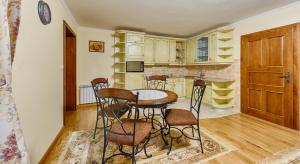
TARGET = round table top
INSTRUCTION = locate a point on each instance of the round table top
(155, 98)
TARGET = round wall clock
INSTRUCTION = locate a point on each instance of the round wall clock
(44, 12)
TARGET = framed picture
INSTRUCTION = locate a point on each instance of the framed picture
(96, 46)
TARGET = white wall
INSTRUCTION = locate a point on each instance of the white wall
(91, 65)
(278, 17)
(38, 77)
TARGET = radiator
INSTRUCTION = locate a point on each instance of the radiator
(86, 94)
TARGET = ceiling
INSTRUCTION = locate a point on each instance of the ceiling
(179, 18)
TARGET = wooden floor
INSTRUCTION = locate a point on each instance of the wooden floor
(254, 139)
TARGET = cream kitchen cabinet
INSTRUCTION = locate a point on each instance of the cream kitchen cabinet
(176, 85)
(134, 80)
(191, 51)
(134, 51)
(172, 55)
(189, 82)
(162, 50)
(149, 50)
(135, 38)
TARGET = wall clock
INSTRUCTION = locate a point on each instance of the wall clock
(44, 12)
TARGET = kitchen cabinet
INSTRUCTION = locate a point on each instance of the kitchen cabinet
(191, 51)
(134, 81)
(149, 50)
(135, 38)
(162, 50)
(172, 56)
(189, 82)
(176, 85)
(135, 51)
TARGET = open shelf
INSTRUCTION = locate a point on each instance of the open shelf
(225, 48)
(225, 30)
(118, 44)
(225, 39)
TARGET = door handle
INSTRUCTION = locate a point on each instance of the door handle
(286, 76)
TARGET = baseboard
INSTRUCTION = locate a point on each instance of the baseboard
(50, 148)
(86, 106)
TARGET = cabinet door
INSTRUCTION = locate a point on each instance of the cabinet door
(202, 48)
(179, 87)
(162, 51)
(191, 51)
(135, 50)
(134, 81)
(189, 87)
(172, 57)
(207, 98)
(134, 38)
(149, 50)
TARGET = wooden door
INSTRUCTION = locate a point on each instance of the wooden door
(70, 73)
(267, 61)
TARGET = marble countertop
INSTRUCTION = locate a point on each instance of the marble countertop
(213, 79)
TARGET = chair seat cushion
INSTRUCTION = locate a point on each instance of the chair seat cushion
(180, 117)
(142, 130)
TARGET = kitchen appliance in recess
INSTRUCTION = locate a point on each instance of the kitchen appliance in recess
(134, 66)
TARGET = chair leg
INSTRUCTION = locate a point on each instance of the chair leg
(200, 139)
(133, 155)
(104, 148)
(96, 126)
(170, 148)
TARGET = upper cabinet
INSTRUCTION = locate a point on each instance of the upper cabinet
(135, 51)
(162, 50)
(135, 38)
(149, 51)
(130, 43)
(212, 48)
(202, 49)
(173, 52)
(191, 51)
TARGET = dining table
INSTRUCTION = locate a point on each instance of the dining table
(157, 100)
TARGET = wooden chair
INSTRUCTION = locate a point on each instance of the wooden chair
(130, 132)
(187, 118)
(97, 84)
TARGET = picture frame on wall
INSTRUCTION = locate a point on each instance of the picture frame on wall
(96, 46)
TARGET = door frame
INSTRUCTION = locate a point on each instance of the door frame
(65, 28)
(295, 76)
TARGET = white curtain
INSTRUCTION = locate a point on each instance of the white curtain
(12, 144)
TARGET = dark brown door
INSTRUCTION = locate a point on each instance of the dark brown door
(70, 73)
(267, 75)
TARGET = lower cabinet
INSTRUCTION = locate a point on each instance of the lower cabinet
(176, 85)
(189, 87)
(134, 81)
